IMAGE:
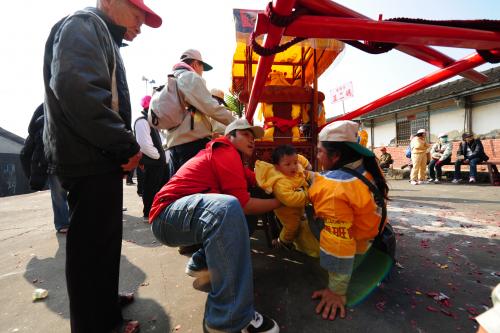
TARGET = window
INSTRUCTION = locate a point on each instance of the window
(408, 126)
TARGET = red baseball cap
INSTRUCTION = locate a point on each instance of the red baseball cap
(152, 19)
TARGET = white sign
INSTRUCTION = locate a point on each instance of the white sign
(342, 92)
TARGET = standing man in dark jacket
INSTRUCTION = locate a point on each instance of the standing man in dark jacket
(89, 145)
(153, 157)
(470, 152)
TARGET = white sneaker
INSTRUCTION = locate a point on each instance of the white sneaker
(414, 182)
(455, 181)
(259, 324)
(423, 182)
(472, 180)
(436, 181)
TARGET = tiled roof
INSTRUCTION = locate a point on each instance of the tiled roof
(11, 136)
(429, 95)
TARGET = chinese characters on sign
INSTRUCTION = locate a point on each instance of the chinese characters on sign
(342, 92)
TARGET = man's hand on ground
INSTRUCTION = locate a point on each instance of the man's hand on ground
(132, 163)
(329, 303)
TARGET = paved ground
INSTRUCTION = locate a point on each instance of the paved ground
(448, 242)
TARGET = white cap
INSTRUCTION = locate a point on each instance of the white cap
(243, 124)
(196, 55)
(421, 131)
(442, 135)
(344, 131)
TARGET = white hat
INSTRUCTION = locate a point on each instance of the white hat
(421, 131)
(442, 135)
(195, 55)
(344, 131)
(243, 124)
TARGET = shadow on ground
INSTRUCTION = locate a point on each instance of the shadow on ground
(48, 273)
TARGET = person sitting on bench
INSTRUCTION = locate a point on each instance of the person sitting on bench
(385, 160)
(470, 152)
(440, 155)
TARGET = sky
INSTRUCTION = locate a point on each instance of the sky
(209, 27)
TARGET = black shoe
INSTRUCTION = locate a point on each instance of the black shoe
(190, 249)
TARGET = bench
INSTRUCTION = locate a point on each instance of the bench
(492, 170)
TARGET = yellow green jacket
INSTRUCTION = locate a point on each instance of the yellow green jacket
(351, 219)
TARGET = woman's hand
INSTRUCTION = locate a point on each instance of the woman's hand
(329, 303)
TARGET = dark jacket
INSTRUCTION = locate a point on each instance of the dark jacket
(156, 139)
(83, 135)
(476, 147)
(32, 156)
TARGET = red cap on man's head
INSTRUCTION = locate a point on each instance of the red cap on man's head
(383, 149)
(152, 19)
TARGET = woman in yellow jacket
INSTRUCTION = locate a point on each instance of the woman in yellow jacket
(419, 148)
(347, 207)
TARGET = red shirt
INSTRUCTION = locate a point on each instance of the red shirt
(216, 169)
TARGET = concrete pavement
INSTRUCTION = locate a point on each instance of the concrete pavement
(448, 242)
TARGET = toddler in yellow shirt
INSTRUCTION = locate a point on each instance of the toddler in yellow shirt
(286, 179)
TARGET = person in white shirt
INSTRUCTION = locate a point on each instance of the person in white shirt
(153, 157)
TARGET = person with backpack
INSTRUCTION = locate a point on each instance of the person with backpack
(195, 130)
(351, 211)
(89, 144)
(153, 157)
(35, 167)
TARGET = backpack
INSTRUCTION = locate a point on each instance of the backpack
(408, 151)
(167, 108)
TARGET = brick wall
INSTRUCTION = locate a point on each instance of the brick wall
(491, 148)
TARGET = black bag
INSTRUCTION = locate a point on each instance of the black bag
(385, 241)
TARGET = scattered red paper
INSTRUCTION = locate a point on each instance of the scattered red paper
(431, 308)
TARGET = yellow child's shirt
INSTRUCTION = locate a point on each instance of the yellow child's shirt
(290, 191)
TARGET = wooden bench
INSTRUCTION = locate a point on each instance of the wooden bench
(492, 169)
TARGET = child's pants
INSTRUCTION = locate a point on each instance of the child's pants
(290, 220)
(419, 161)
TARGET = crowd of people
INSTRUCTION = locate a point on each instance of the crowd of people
(195, 185)
(429, 159)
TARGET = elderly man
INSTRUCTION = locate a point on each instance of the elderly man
(470, 152)
(90, 145)
(385, 160)
(205, 203)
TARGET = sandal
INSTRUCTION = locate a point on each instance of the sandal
(128, 326)
(125, 299)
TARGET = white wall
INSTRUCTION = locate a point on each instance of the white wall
(449, 120)
(384, 132)
(9, 147)
(486, 118)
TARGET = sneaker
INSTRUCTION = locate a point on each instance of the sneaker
(413, 182)
(455, 181)
(423, 182)
(202, 279)
(472, 180)
(261, 323)
(436, 181)
(430, 180)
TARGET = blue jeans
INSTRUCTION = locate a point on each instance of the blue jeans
(217, 222)
(472, 166)
(59, 203)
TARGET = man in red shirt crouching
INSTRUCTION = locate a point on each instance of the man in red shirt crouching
(205, 203)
